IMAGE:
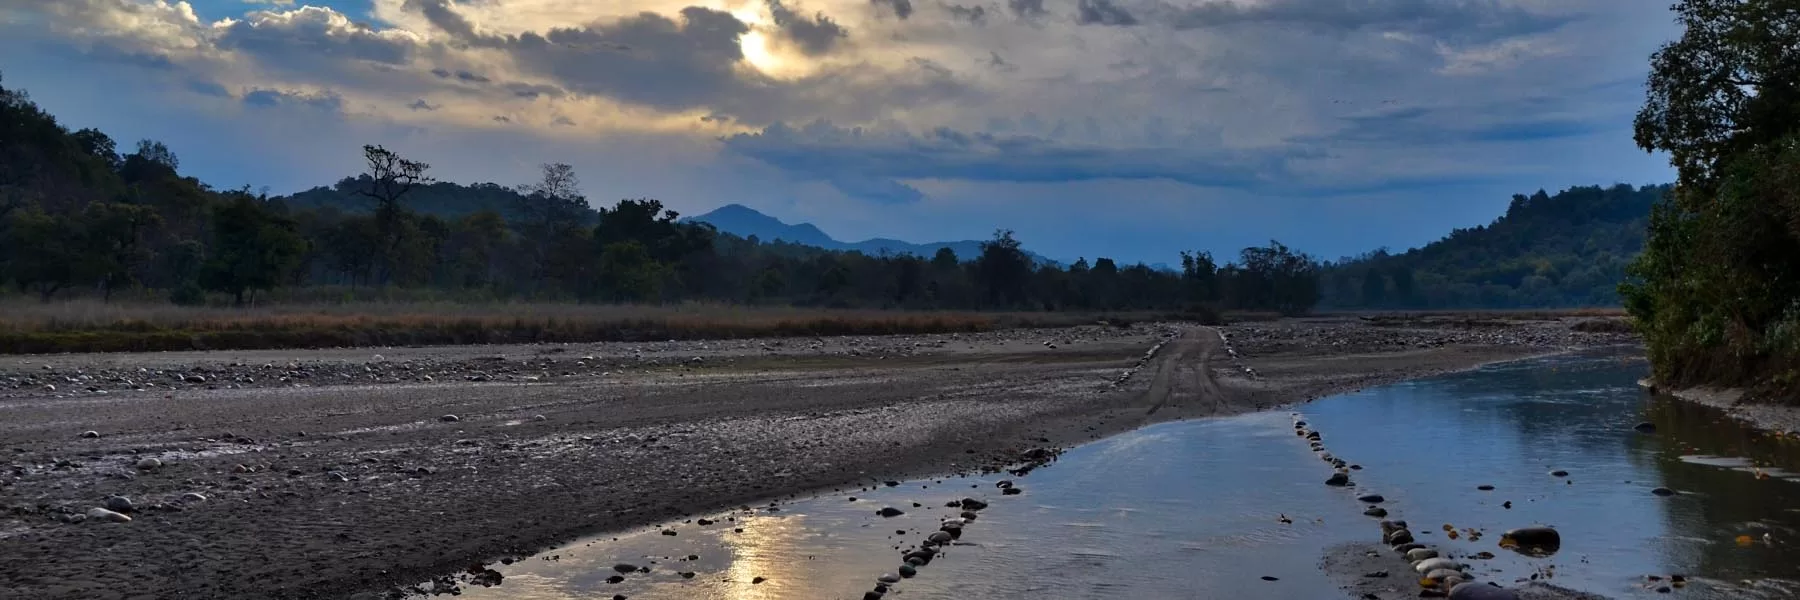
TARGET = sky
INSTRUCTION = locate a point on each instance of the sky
(1132, 129)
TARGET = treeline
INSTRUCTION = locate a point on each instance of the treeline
(80, 218)
(1717, 290)
(1564, 250)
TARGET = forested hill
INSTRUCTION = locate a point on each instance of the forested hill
(1563, 250)
(442, 199)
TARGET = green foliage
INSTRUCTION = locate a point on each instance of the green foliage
(252, 249)
(83, 218)
(1564, 250)
(1716, 290)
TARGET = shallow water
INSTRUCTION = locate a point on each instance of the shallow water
(1195, 509)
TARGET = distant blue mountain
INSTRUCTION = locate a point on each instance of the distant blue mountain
(744, 221)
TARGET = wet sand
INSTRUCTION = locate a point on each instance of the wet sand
(335, 472)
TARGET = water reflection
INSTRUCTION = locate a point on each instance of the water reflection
(1235, 508)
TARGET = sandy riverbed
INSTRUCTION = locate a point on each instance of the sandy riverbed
(333, 472)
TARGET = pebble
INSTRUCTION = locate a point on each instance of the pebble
(101, 514)
(1417, 554)
(449, 418)
(1645, 427)
(890, 512)
(539, 418)
(1338, 479)
(907, 570)
(119, 503)
(889, 578)
(1376, 511)
(1481, 591)
(1371, 499)
(90, 434)
(149, 463)
(1433, 564)
(1663, 491)
(939, 537)
(193, 497)
(1559, 473)
(1536, 535)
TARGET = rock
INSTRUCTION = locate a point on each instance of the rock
(1375, 574)
(119, 504)
(1485, 488)
(1441, 575)
(872, 595)
(449, 418)
(757, 580)
(1663, 491)
(1398, 536)
(1338, 479)
(90, 434)
(1387, 526)
(1011, 491)
(1418, 554)
(101, 514)
(1481, 591)
(1408, 547)
(1559, 473)
(193, 497)
(908, 570)
(1535, 537)
(939, 537)
(1432, 564)
(973, 504)
(1645, 427)
(625, 567)
(888, 578)
(1371, 499)
(616, 579)
(1376, 511)
(149, 463)
(967, 515)
(890, 512)
(539, 418)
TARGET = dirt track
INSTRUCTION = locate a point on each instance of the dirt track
(320, 482)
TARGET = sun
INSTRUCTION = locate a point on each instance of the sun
(756, 46)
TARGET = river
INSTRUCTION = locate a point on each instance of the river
(1237, 508)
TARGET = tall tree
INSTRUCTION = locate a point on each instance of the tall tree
(390, 178)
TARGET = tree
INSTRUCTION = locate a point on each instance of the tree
(1004, 269)
(252, 248)
(390, 178)
(627, 273)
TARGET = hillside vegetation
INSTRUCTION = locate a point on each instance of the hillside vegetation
(1717, 289)
(1564, 250)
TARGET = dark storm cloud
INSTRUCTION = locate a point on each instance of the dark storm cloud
(1026, 8)
(309, 37)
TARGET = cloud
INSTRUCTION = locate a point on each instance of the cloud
(1103, 12)
(860, 112)
(1460, 20)
(1026, 8)
(264, 98)
(976, 14)
(816, 35)
(862, 157)
(900, 8)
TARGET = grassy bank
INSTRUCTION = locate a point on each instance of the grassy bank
(89, 326)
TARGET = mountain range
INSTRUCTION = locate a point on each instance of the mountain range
(744, 221)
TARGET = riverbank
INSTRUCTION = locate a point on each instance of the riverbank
(322, 473)
(1773, 418)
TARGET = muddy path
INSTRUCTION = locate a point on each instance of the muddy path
(320, 489)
